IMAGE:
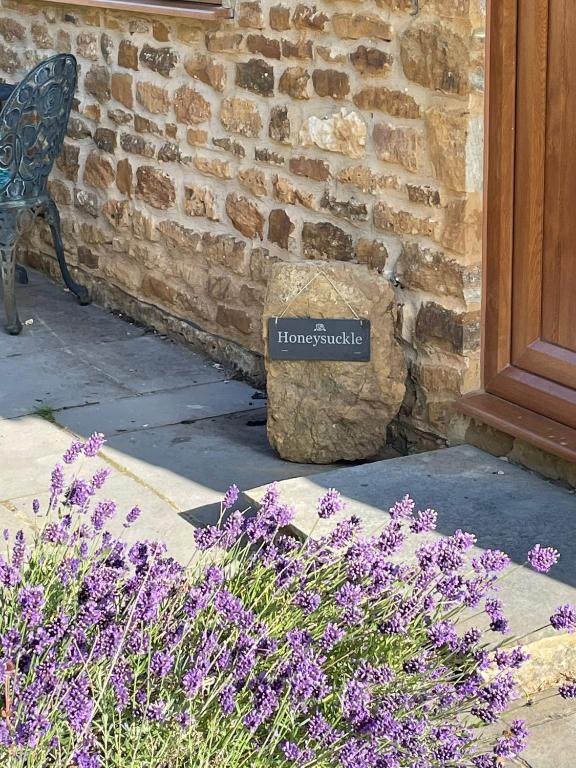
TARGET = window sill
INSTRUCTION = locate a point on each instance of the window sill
(168, 8)
(548, 435)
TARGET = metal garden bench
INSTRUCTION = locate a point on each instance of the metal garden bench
(33, 123)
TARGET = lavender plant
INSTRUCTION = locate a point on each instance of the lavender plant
(265, 651)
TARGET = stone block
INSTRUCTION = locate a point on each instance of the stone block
(325, 241)
(319, 411)
(245, 216)
(155, 187)
(345, 133)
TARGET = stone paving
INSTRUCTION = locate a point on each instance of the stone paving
(181, 430)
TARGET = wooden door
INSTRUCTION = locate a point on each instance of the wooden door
(530, 221)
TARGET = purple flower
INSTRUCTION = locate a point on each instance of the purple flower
(73, 452)
(349, 595)
(564, 618)
(424, 522)
(228, 699)
(162, 663)
(56, 484)
(344, 532)
(330, 504)
(18, 550)
(230, 497)
(93, 444)
(332, 635)
(36, 506)
(99, 478)
(567, 691)
(308, 601)
(132, 516)
(543, 558)
(403, 508)
(103, 511)
(31, 601)
(491, 561)
(156, 711)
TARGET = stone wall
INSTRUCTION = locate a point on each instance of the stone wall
(199, 153)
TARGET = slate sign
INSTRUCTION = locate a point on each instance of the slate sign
(309, 338)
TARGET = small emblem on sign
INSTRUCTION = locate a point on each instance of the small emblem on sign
(306, 338)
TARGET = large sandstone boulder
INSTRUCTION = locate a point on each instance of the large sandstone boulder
(323, 411)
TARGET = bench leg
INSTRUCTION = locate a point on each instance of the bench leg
(9, 230)
(53, 217)
(21, 275)
(7, 266)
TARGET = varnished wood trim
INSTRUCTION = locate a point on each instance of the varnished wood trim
(552, 400)
(549, 361)
(546, 434)
(499, 185)
(197, 10)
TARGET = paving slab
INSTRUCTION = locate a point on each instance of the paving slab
(29, 449)
(129, 414)
(505, 506)
(194, 464)
(56, 378)
(149, 364)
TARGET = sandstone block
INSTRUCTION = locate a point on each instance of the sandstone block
(241, 116)
(97, 83)
(245, 216)
(67, 161)
(447, 137)
(87, 46)
(105, 139)
(11, 30)
(324, 241)
(371, 61)
(155, 187)
(366, 180)
(330, 82)
(199, 201)
(250, 14)
(396, 103)
(256, 75)
(423, 269)
(98, 171)
(137, 145)
(279, 128)
(319, 411)
(162, 60)
(311, 167)
(124, 177)
(354, 26)
(121, 88)
(254, 180)
(303, 49)
(280, 227)
(286, 192)
(402, 222)
(373, 253)
(153, 98)
(349, 209)
(220, 169)
(41, 36)
(440, 328)
(265, 155)
(309, 17)
(208, 70)
(234, 147)
(128, 55)
(398, 144)
(344, 132)
(223, 42)
(280, 18)
(295, 82)
(423, 194)
(265, 46)
(436, 57)
(190, 106)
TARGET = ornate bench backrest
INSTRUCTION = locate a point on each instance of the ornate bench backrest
(32, 127)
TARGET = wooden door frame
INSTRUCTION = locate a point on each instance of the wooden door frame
(507, 405)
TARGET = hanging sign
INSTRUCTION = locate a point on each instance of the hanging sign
(309, 338)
